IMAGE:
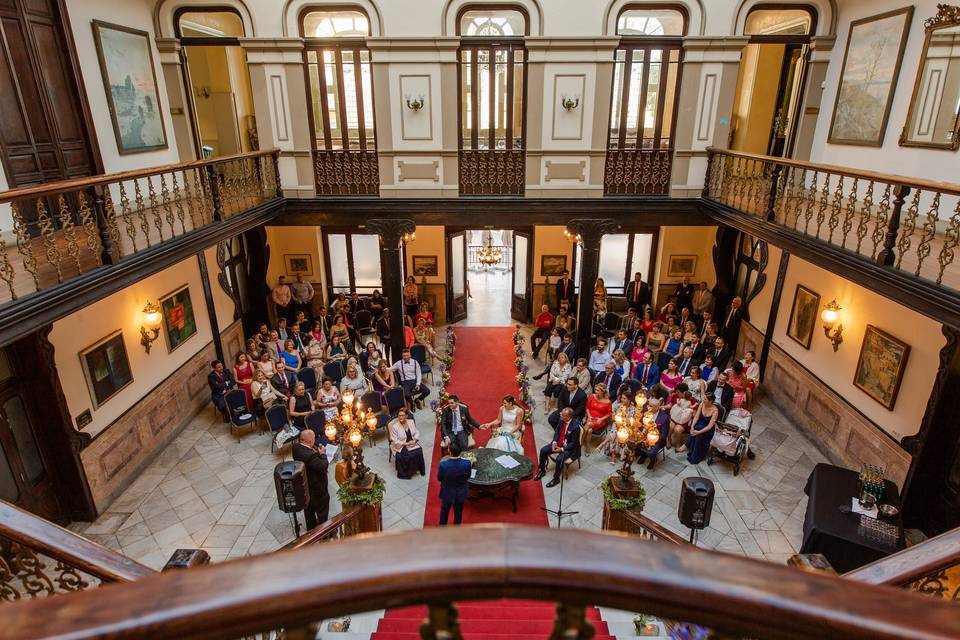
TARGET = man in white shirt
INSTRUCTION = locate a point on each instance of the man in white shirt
(281, 296)
(408, 370)
(599, 357)
(302, 292)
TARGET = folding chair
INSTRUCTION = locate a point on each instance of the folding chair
(334, 371)
(395, 401)
(611, 323)
(371, 400)
(240, 416)
(364, 324)
(308, 376)
(277, 420)
(316, 421)
(566, 464)
(419, 353)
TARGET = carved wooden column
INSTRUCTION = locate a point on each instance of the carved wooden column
(391, 232)
(589, 232)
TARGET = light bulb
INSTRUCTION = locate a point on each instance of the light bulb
(330, 431)
(355, 438)
(623, 434)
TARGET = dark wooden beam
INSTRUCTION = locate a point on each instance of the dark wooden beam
(923, 296)
(24, 315)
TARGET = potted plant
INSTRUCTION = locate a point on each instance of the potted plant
(644, 625)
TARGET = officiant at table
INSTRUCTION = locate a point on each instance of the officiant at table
(509, 427)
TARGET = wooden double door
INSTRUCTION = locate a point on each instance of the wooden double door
(45, 130)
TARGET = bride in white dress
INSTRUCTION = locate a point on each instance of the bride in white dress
(509, 427)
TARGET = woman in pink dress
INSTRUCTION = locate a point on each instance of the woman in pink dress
(243, 374)
(737, 380)
(671, 377)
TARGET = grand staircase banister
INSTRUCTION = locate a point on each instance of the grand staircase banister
(77, 184)
(294, 588)
(63, 545)
(325, 530)
(660, 532)
(891, 178)
(913, 563)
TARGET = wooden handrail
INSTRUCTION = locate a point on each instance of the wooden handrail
(58, 543)
(364, 573)
(913, 563)
(325, 530)
(892, 178)
(641, 521)
(52, 188)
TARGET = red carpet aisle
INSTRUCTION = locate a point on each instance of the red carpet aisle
(483, 372)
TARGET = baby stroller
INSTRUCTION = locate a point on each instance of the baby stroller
(731, 438)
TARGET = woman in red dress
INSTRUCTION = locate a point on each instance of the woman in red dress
(424, 315)
(243, 374)
(599, 412)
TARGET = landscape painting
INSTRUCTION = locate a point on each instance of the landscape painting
(130, 81)
(880, 367)
(868, 78)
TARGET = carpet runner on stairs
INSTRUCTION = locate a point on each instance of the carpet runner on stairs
(487, 620)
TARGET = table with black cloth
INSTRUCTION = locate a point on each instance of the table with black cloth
(827, 530)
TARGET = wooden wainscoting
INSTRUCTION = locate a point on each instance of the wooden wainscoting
(830, 419)
(122, 450)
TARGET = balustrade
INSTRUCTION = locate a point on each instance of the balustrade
(637, 172)
(902, 223)
(498, 172)
(350, 172)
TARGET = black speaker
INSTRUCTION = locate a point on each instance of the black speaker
(696, 502)
(290, 480)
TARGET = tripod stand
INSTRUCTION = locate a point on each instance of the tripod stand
(559, 512)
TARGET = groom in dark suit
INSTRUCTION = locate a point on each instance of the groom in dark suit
(456, 423)
(453, 473)
(565, 444)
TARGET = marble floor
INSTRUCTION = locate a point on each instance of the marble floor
(207, 490)
(489, 302)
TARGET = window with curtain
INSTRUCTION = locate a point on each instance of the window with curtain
(643, 107)
(341, 101)
(353, 262)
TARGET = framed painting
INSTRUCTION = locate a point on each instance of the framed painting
(425, 266)
(106, 368)
(179, 323)
(868, 77)
(298, 263)
(553, 265)
(130, 82)
(681, 266)
(880, 367)
(803, 316)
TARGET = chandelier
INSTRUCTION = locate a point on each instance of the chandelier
(488, 256)
(349, 426)
(635, 428)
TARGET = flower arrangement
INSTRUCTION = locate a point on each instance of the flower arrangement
(623, 503)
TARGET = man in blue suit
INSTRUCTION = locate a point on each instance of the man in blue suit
(565, 444)
(610, 379)
(647, 372)
(453, 473)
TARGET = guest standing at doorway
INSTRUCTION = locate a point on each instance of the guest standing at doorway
(281, 296)
(565, 292)
(411, 297)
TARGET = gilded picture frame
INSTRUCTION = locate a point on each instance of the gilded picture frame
(179, 321)
(803, 316)
(106, 368)
(881, 365)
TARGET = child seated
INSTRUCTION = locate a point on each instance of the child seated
(680, 414)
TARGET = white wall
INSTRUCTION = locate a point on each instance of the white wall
(932, 164)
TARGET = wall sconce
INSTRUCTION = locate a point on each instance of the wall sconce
(572, 237)
(832, 327)
(151, 325)
(415, 104)
(201, 92)
(569, 103)
(409, 237)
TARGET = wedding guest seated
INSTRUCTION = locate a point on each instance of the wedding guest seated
(264, 392)
(299, 405)
(647, 372)
(609, 378)
(314, 356)
(681, 412)
(544, 324)
(508, 427)
(354, 381)
(610, 446)
(751, 369)
(328, 398)
(708, 370)
(689, 331)
(299, 339)
(243, 375)
(674, 343)
(704, 420)
(376, 304)
(671, 377)
(318, 336)
(662, 419)
(573, 398)
(668, 310)
(266, 365)
(599, 357)
(620, 342)
(656, 339)
(425, 335)
(685, 361)
(560, 370)
(424, 314)
(383, 379)
(409, 337)
(567, 347)
(622, 366)
(738, 382)
(220, 382)
(456, 424)
(405, 444)
(339, 329)
(335, 349)
(721, 393)
(636, 336)
(565, 445)
(582, 374)
(371, 357)
(292, 362)
(721, 353)
(554, 343)
(253, 351)
(599, 411)
(410, 376)
(275, 346)
(695, 385)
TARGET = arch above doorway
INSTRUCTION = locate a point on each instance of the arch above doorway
(694, 9)
(452, 10)
(166, 11)
(824, 14)
(294, 9)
